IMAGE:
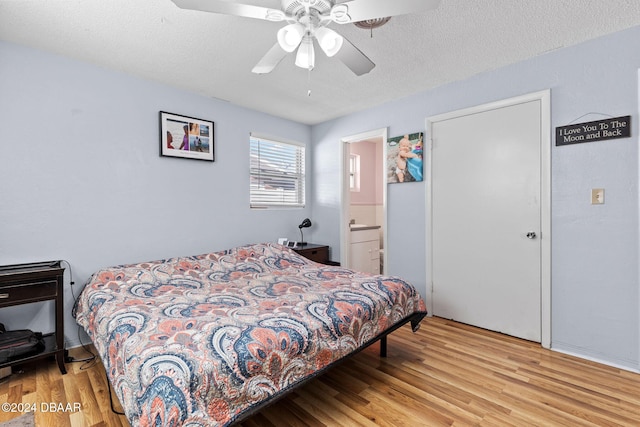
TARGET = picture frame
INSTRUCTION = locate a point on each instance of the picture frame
(186, 137)
(405, 165)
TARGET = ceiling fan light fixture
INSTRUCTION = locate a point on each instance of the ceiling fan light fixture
(340, 14)
(329, 40)
(305, 21)
(306, 56)
(275, 15)
(290, 36)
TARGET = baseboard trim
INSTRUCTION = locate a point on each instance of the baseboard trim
(597, 360)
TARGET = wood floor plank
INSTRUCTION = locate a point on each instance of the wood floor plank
(100, 389)
(445, 374)
(90, 407)
(338, 407)
(294, 416)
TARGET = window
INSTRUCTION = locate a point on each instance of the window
(276, 173)
(354, 172)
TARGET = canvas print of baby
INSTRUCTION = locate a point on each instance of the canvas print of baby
(404, 158)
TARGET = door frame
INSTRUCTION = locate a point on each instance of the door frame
(345, 190)
(545, 197)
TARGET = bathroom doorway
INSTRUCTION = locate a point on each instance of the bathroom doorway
(363, 222)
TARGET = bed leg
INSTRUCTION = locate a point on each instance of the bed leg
(383, 346)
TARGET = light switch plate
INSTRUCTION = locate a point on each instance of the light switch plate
(597, 196)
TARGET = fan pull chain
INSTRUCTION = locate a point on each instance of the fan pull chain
(309, 81)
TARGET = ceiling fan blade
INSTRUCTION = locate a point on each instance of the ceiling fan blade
(232, 8)
(353, 58)
(270, 60)
(361, 10)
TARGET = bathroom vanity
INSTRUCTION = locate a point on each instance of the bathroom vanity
(365, 248)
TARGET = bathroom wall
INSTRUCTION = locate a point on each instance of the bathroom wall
(367, 205)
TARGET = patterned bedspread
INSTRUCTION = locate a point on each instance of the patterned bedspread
(199, 341)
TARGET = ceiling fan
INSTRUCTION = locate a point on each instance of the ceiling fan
(307, 20)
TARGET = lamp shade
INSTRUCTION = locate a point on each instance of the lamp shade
(306, 57)
(305, 223)
(290, 36)
(330, 41)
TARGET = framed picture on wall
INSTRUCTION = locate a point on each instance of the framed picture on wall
(404, 158)
(186, 137)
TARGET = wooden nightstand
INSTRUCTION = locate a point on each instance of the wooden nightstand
(317, 253)
(27, 283)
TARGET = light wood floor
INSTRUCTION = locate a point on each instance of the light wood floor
(445, 374)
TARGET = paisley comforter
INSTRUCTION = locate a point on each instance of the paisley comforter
(201, 340)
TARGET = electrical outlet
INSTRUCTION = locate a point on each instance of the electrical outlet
(597, 196)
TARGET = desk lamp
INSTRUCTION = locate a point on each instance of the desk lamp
(305, 224)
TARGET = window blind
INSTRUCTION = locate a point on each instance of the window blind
(277, 173)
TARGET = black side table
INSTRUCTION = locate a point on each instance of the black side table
(28, 283)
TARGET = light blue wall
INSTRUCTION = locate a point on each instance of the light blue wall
(595, 298)
(81, 178)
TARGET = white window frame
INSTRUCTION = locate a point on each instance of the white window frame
(276, 173)
(354, 172)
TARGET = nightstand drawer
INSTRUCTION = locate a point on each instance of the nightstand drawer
(315, 253)
(32, 291)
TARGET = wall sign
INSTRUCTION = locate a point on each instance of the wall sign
(616, 127)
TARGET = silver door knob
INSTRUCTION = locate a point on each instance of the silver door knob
(531, 235)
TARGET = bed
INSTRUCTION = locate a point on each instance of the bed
(207, 340)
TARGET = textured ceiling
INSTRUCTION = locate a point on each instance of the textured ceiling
(213, 54)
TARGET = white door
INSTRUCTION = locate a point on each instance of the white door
(486, 219)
